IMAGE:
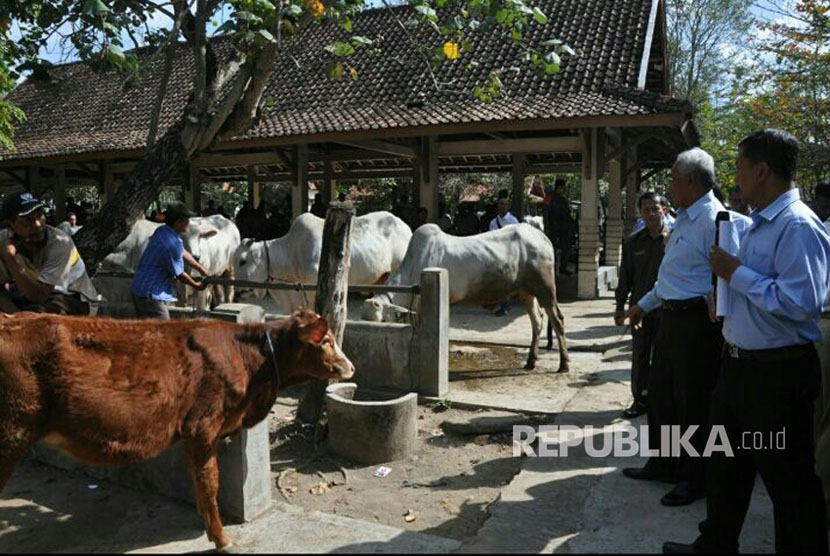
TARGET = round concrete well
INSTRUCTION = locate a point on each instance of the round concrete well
(369, 427)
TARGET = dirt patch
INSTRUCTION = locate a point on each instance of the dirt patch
(444, 488)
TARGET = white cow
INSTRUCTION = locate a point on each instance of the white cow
(536, 221)
(378, 244)
(483, 269)
(213, 239)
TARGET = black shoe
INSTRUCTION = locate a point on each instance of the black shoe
(682, 495)
(635, 410)
(680, 548)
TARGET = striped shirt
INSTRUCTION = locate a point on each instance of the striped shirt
(160, 264)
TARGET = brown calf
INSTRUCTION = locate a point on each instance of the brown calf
(112, 392)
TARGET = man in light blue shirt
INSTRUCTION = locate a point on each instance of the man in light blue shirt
(688, 344)
(771, 374)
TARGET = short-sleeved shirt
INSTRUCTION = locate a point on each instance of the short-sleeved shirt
(498, 222)
(58, 264)
(160, 264)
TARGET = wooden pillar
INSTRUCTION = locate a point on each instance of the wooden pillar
(33, 180)
(426, 180)
(299, 191)
(588, 225)
(614, 233)
(253, 186)
(332, 294)
(60, 193)
(632, 192)
(329, 189)
(192, 186)
(518, 174)
(107, 182)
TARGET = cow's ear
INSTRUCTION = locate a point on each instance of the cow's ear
(314, 332)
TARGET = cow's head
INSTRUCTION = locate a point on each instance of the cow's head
(196, 238)
(380, 309)
(249, 264)
(314, 350)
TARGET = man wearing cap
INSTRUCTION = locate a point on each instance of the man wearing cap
(163, 260)
(41, 269)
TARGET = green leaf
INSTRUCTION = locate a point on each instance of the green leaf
(265, 34)
(568, 50)
(335, 71)
(269, 101)
(552, 58)
(551, 43)
(247, 16)
(426, 11)
(353, 73)
(340, 49)
(95, 7)
(361, 41)
(228, 26)
(295, 10)
(539, 16)
(115, 55)
(347, 25)
(501, 16)
(551, 68)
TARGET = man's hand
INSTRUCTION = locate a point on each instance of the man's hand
(724, 265)
(619, 318)
(9, 252)
(200, 285)
(710, 302)
(635, 316)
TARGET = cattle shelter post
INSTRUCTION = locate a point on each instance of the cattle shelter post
(332, 294)
(433, 342)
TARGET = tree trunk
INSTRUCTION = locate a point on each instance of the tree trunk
(332, 292)
(166, 159)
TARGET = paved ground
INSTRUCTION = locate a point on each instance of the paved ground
(574, 504)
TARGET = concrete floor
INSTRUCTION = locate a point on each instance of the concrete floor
(575, 504)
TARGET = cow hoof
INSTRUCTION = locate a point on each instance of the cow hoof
(563, 369)
(229, 548)
(549, 347)
(530, 365)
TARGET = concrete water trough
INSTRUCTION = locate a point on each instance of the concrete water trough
(369, 426)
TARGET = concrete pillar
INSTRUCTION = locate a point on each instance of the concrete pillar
(433, 335)
(614, 233)
(60, 193)
(632, 192)
(588, 225)
(253, 186)
(518, 178)
(299, 190)
(427, 178)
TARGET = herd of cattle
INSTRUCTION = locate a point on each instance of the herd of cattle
(113, 392)
(483, 269)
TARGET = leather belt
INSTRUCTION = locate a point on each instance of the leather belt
(774, 354)
(684, 304)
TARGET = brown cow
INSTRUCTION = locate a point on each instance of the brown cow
(115, 392)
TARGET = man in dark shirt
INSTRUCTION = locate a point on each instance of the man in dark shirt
(560, 223)
(641, 257)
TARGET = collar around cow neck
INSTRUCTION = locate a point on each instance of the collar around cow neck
(273, 358)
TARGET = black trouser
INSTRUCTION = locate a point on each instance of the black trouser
(564, 240)
(689, 347)
(643, 354)
(767, 397)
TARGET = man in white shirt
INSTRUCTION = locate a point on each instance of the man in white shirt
(503, 218)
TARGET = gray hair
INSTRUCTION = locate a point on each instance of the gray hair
(699, 164)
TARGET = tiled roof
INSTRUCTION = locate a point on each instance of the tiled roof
(92, 112)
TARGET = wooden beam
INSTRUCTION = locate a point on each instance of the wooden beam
(509, 146)
(628, 145)
(383, 147)
(518, 178)
(299, 191)
(15, 177)
(652, 172)
(554, 169)
(60, 193)
(217, 160)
